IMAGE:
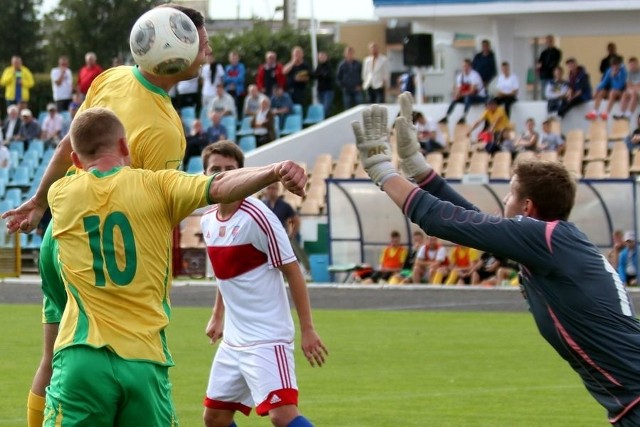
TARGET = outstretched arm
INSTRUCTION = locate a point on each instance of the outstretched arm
(216, 322)
(234, 185)
(27, 216)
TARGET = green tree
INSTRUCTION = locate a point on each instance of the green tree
(101, 26)
(20, 32)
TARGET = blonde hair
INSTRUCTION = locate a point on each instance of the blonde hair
(95, 131)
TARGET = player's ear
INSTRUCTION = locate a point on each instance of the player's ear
(529, 209)
(123, 146)
(76, 160)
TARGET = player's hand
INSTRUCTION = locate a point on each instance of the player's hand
(313, 348)
(412, 161)
(214, 329)
(26, 217)
(292, 176)
(372, 140)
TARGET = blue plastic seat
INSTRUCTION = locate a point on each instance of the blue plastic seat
(247, 143)
(21, 177)
(35, 241)
(188, 113)
(245, 126)
(5, 205)
(194, 165)
(297, 109)
(276, 126)
(18, 147)
(36, 145)
(41, 116)
(14, 197)
(4, 174)
(292, 124)
(315, 114)
(3, 187)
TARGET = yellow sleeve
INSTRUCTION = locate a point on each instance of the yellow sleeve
(7, 76)
(474, 254)
(183, 192)
(27, 78)
(403, 255)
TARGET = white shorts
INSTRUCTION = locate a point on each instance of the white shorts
(263, 377)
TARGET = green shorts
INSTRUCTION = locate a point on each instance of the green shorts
(95, 387)
(54, 295)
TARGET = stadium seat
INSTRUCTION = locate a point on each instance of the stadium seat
(315, 114)
(436, 160)
(479, 163)
(41, 116)
(360, 173)
(4, 174)
(18, 147)
(3, 188)
(343, 171)
(35, 241)
(188, 113)
(37, 145)
(551, 156)
(13, 196)
(5, 205)
(456, 165)
(597, 131)
(619, 153)
(21, 177)
(619, 130)
(48, 154)
(294, 200)
(594, 170)
(573, 162)
(292, 124)
(247, 143)
(597, 149)
(310, 207)
(24, 240)
(194, 165)
(297, 109)
(619, 169)
(460, 132)
(245, 127)
(229, 122)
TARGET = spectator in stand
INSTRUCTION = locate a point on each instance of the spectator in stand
(234, 76)
(89, 71)
(270, 74)
(4, 155)
(62, 84)
(223, 103)
(484, 62)
(556, 91)
(11, 125)
(252, 101)
(579, 87)
(485, 270)
(324, 76)
(298, 74)
(17, 80)
(281, 104)
(628, 260)
(263, 123)
(548, 60)
(404, 276)
(495, 120)
(507, 86)
(632, 140)
(505, 142)
(211, 75)
(349, 78)
(612, 52)
(52, 126)
(611, 87)
(528, 140)
(617, 240)
(550, 141)
(629, 100)
(375, 74)
(407, 82)
(217, 131)
(197, 139)
(430, 259)
(461, 265)
(469, 90)
(429, 136)
(29, 129)
(187, 93)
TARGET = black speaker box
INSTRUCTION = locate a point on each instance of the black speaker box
(418, 50)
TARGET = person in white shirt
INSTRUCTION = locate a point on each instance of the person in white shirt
(187, 91)
(263, 123)
(11, 125)
(429, 259)
(556, 91)
(211, 75)
(52, 126)
(375, 74)
(252, 101)
(4, 155)
(223, 103)
(430, 137)
(250, 251)
(469, 90)
(508, 86)
(62, 84)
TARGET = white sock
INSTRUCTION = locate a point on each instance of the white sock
(627, 113)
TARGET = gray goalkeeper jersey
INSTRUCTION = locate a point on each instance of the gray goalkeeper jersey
(579, 303)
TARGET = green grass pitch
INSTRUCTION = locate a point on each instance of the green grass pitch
(408, 368)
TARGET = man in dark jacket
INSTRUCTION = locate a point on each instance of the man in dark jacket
(549, 59)
(484, 62)
(579, 87)
(349, 78)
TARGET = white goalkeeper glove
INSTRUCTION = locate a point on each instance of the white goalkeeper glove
(373, 143)
(412, 161)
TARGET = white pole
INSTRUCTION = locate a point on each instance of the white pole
(314, 51)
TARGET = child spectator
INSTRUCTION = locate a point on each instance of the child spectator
(629, 100)
(429, 136)
(611, 87)
(528, 140)
(556, 91)
(495, 121)
(429, 259)
(579, 87)
(550, 141)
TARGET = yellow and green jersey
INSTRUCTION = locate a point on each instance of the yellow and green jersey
(114, 234)
(154, 131)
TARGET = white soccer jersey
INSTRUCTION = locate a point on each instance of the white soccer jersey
(245, 252)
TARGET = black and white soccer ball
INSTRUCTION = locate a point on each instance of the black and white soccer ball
(164, 41)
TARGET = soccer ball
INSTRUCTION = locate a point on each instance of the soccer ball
(164, 41)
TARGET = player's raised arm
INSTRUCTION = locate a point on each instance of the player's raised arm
(27, 216)
(230, 186)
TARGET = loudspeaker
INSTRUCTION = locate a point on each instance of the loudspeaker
(418, 50)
